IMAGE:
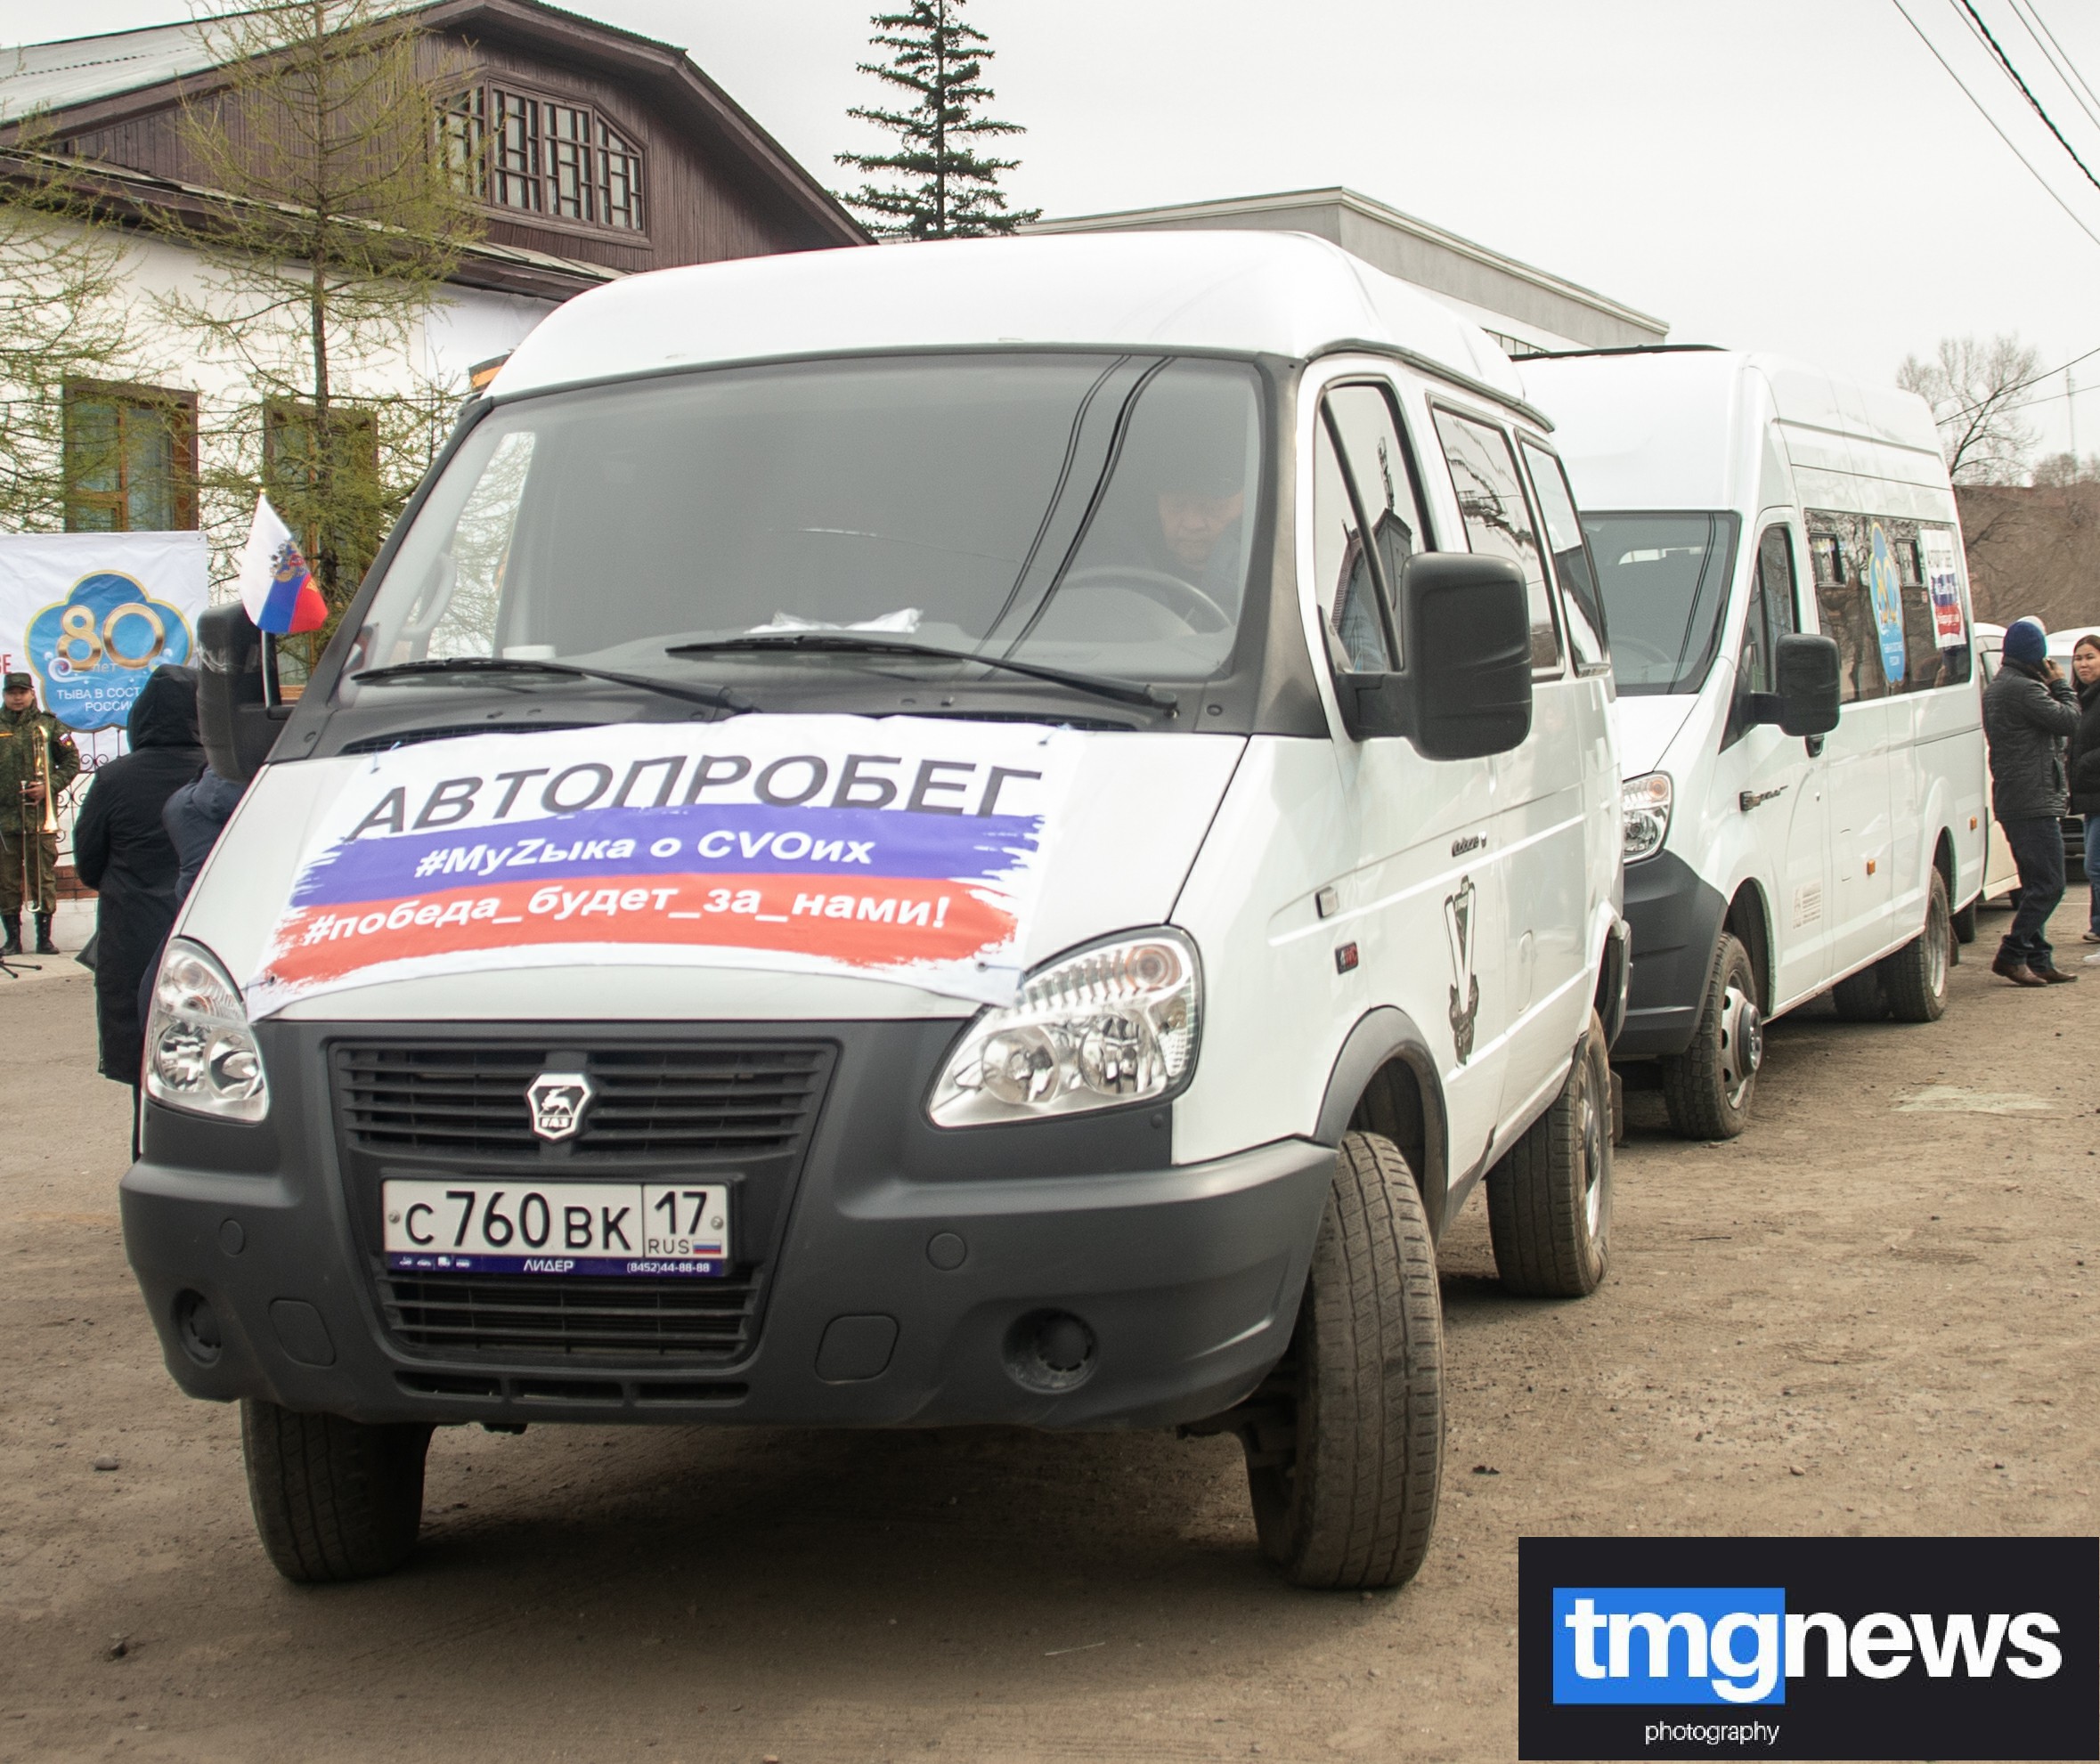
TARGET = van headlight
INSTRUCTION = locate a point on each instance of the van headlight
(1116, 1022)
(200, 1054)
(1644, 804)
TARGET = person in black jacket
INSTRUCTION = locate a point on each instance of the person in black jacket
(2028, 716)
(195, 817)
(2085, 768)
(121, 851)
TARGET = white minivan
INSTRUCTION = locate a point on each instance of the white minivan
(983, 833)
(1778, 844)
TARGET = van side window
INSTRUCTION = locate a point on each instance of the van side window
(1344, 580)
(1873, 600)
(1498, 521)
(1845, 607)
(1581, 604)
(1771, 616)
(1376, 456)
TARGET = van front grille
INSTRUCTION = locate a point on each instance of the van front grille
(710, 1099)
(533, 1315)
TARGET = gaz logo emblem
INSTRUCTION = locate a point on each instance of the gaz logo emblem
(558, 1099)
(1465, 985)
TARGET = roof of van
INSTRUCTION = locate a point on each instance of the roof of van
(1640, 424)
(1239, 293)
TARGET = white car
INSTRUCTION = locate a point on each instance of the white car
(997, 832)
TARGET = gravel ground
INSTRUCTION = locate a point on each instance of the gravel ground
(1871, 1314)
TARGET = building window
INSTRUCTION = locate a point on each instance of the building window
(518, 152)
(130, 459)
(462, 143)
(340, 514)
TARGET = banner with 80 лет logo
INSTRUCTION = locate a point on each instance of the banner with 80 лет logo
(1808, 1647)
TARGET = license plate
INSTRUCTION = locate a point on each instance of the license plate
(556, 1228)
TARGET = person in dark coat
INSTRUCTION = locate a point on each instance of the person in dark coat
(2028, 714)
(195, 817)
(122, 851)
(2085, 768)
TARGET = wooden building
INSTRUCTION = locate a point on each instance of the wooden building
(599, 153)
(607, 152)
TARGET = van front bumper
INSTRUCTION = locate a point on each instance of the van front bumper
(896, 1275)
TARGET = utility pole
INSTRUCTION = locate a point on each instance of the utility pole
(2071, 409)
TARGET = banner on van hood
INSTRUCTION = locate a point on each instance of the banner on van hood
(894, 847)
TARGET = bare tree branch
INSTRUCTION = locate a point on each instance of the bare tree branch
(1973, 387)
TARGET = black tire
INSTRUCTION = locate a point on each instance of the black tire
(333, 1500)
(1707, 1088)
(1345, 1445)
(1549, 1199)
(1860, 998)
(1964, 924)
(1915, 978)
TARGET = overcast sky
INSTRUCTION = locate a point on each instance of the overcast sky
(1794, 175)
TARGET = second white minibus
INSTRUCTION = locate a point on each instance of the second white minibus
(1733, 501)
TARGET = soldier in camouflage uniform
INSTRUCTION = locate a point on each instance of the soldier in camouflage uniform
(22, 811)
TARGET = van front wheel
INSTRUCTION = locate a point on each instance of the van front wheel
(1915, 978)
(1548, 1201)
(1707, 1087)
(333, 1500)
(1345, 1440)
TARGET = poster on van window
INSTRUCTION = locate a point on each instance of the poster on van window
(899, 849)
(1944, 585)
(1884, 589)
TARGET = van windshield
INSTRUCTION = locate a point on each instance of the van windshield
(1092, 514)
(1666, 584)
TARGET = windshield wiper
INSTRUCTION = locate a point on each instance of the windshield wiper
(720, 697)
(851, 643)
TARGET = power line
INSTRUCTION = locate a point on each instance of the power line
(2038, 34)
(2021, 385)
(2055, 196)
(2069, 67)
(2013, 74)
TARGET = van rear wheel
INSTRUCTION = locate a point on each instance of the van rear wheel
(333, 1500)
(1549, 1199)
(1915, 978)
(1345, 1440)
(1707, 1087)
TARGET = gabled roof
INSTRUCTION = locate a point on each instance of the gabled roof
(86, 83)
(1242, 293)
(57, 76)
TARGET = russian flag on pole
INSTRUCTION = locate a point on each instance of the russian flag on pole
(276, 586)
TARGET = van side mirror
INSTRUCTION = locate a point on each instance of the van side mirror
(1465, 628)
(233, 721)
(1805, 668)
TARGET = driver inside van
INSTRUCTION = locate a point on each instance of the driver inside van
(1191, 528)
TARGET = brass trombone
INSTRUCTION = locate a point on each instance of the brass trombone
(43, 777)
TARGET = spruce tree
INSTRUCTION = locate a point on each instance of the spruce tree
(946, 189)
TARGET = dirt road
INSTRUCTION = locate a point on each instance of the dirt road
(1873, 1314)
